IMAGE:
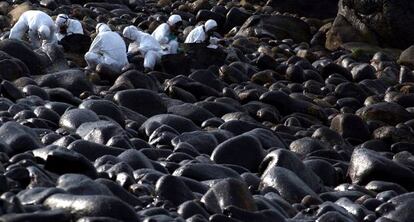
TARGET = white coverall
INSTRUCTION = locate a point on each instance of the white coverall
(164, 36)
(148, 46)
(107, 48)
(199, 34)
(73, 26)
(39, 25)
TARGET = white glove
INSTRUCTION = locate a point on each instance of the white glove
(214, 40)
(164, 40)
(211, 46)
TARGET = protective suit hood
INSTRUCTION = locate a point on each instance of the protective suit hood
(102, 27)
(61, 19)
(44, 32)
(174, 19)
(107, 48)
(132, 33)
(210, 24)
(38, 25)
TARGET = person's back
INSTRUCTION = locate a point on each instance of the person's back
(107, 48)
(161, 33)
(166, 34)
(75, 27)
(148, 46)
(114, 47)
(111, 42)
(202, 33)
(148, 43)
(31, 21)
(37, 18)
(197, 35)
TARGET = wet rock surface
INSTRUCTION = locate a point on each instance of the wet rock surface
(305, 112)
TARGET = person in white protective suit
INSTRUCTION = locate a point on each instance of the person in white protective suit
(148, 46)
(39, 25)
(202, 34)
(66, 26)
(165, 34)
(108, 48)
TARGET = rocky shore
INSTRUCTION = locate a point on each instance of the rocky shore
(304, 113)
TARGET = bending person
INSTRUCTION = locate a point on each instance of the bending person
(148, 46)
(39, 25)
(66, 26)
(203, 33)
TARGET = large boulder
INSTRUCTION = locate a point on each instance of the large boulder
(173, 189)
(99, 131)
(134, 79)
(195, 113)
(12, 68)
(287, 183)
(73, 118)
(288, 160)
(176, 64)
(387, 23)
(401, 208)
(53, 58)
(104, 108)
(74, 80)
(321, 9)
(243, 150)
(407, 57)
(204, 171)
(23, 52)
(92, 205)
(201, 57)
(17, 11)
(203, 142)
(276, 27)
(62, 160)
(236, 17)
(142, 101)
(76, 43)
(228, 192)
(197, 89)
(350, 126)
(180, 124)
(390, 113)
(367, 165)
(19, 138)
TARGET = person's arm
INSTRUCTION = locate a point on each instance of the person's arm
(76, 28)
(18, 30)
(148, 43)
(214, 40)
(190, 38)
(52, 38)
(161, 34)
(96, 45)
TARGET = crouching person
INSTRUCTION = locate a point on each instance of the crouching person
(108, 49)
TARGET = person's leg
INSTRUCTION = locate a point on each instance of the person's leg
(173, 47)
(108, 72)
(34, 38)
(92, 59)
(18, 30)
(52, 37)
(112, 64)
(150, 60)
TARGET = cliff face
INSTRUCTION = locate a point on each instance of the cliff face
(321, 9)
(386, 23)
